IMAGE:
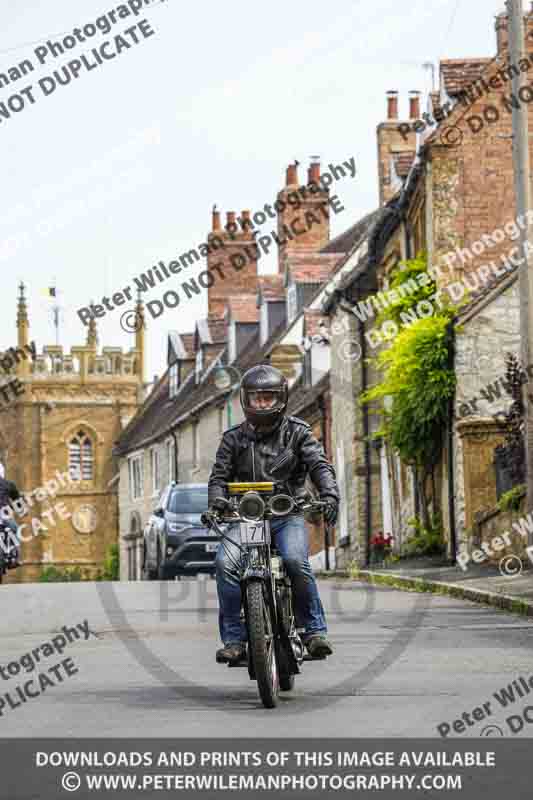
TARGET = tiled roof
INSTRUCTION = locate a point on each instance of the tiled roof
(152, 415)
(345, 242)
(271, 287)
(458, 74)
(243, 308)
(162, 414)
(367, 226)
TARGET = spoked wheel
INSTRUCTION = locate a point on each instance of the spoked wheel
(286, 677)
(262, 645)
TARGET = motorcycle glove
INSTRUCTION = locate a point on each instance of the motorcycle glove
(221, 505)
(331, 510)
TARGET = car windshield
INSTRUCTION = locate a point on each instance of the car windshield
(188, 500)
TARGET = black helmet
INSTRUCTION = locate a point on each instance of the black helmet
(264, 378)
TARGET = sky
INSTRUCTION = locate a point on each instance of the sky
(120, 169)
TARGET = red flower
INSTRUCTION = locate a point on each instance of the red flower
(381, 541)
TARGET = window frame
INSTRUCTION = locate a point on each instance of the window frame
(171, 459)
(199, 364)
(292, 302)
(155, 470)
(132, 461)
(195, 444)
(81, 437)
(173, 380)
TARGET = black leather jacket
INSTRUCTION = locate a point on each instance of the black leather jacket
(8, 491)
(287, 456)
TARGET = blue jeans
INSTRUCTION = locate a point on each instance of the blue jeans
(290, 538)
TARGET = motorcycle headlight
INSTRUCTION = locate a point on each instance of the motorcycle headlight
(281, 504)
(251, 507)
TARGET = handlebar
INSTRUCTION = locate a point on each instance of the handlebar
(208, 517)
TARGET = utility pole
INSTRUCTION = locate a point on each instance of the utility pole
(523, 204)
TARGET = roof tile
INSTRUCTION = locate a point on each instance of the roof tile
(458, 74)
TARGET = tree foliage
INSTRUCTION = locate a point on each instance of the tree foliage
(418, 379)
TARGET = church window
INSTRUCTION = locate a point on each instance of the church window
(80, 457)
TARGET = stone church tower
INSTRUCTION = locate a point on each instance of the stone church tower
(64, 420)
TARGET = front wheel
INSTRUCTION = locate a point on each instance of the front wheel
(262, 645)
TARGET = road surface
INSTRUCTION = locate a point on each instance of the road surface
(404, 663)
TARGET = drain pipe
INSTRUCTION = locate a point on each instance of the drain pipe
(173, 432)
(366, 434)
(324, 425)
(451, 466)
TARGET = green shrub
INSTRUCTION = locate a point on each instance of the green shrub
(110, 571)
(510, 501)
(425, 541)
(417, 377)
(111, 565)
(68, 575)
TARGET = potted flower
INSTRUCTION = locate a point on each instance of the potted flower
(380, 548)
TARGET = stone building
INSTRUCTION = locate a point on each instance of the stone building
(72, 408)
(451, 195)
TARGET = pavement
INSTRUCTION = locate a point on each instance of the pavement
(509, 586)
(404, 663)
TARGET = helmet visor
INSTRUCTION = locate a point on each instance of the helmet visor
(263, 400)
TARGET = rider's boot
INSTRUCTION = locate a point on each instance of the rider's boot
(231, 653)
(318, 645)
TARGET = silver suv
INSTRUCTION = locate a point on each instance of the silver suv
(175, 541)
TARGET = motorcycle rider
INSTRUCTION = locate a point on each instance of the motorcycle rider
(8, 493)
(271, 446)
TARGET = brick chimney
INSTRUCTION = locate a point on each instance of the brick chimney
(297, 232)
(502, 32)
(393, 136)
(291, 178)
(392, 104)
(232, 261)
(414, 105)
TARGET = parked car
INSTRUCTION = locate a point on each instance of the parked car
(175, 541)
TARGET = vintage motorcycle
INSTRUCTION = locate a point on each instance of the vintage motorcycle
(275, 650)
(8, 551)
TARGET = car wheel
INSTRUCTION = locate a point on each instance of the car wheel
(147, 574)
(161, 571)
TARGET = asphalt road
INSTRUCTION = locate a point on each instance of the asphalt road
(403, 664)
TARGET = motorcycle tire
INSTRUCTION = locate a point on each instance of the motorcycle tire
(286, 678)
(262, 651)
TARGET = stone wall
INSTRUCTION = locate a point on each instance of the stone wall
(493, 523)
(482, 341)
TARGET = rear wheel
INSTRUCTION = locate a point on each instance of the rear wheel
(262, 645)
